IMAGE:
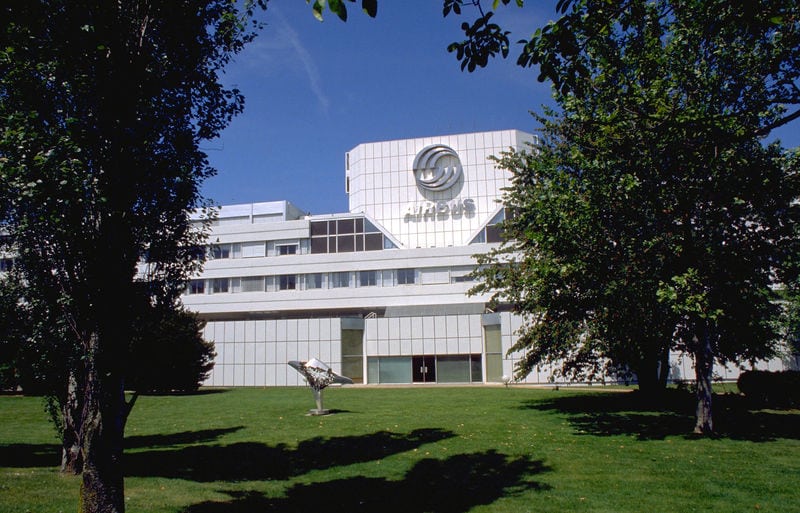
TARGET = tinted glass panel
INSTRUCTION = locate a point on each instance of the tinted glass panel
(477, 368)
(346, 244)
(395, 370)
(319, 245)
(353, 368)
(352, 342)
(314, 281)
(346, 225)
(405, 276)
(373, 370)
(493, 233)
(367, 278)
(319, 228)
(453, 369)
(373, 241)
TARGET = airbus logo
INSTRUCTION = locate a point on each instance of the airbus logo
(437, 168)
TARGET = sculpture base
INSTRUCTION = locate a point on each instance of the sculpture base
(315, 412)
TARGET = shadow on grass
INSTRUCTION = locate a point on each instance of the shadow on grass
(453, 485)
(182, 438)
(49, 455)
(632, 413)
(30, 455)
(252, 461)
(187, 393)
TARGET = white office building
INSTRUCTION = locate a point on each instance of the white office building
(380, 292)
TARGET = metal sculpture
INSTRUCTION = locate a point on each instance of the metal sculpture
(319, 376)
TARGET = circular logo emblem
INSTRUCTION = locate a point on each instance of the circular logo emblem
(437, 168)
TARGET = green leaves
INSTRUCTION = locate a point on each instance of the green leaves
(339, 8)
(484, 40)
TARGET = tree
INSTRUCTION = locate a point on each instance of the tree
(104, 105)
(685, 216)
(168, 353)
(12, 333)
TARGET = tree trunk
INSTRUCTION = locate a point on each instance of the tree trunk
(649, 375)
(703, 367)
(663, 369)
(71, 457)
(102, 489)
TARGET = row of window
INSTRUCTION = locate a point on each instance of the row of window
(347, 236)
(256, 249)
(311, 281)
(330, 236)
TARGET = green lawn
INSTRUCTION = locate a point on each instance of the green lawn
(416, 450)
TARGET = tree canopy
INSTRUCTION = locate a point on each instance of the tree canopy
(104, 106)
(652, 216)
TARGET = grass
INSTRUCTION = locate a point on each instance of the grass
(416, 450)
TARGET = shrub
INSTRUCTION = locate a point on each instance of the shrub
(169, 354)
(765, 388)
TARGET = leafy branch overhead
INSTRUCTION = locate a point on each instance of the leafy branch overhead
(339, 8)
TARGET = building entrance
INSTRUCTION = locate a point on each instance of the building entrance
(424, 369)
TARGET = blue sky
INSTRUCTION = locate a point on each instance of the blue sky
(314, 90)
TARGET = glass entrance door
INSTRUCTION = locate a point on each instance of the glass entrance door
(424, 369)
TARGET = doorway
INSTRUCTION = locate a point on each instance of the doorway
(424, 369)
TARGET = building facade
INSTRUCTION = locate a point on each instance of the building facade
(380, 292)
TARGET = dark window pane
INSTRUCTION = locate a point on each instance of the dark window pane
(493, 233)
(346, 244)
(369, 227)
(373, 241)
(287, 282)
(359, 242)
(346, 225)
(405, 276)
(477, 368)
(360, 225)
(331, 227)
(319, 245)
(319, 228)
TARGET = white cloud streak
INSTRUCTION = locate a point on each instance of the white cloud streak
(287, 33)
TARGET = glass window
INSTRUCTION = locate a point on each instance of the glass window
(394, 369)
(352, 355)
(253, 249)
(369, 227)
(494, 355)
(219, 285)
(346, 244)
(287, 282)
(405, 276)
(493, 233)
(373, 241)
(314, 281)
(340, 280)
(253, 284)
(287, 249)
(477, 368)
(453, 369)
(346, 225)
(367, 278)
(221, 251)
(319, 228)
(196, 287)
(319, 245)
